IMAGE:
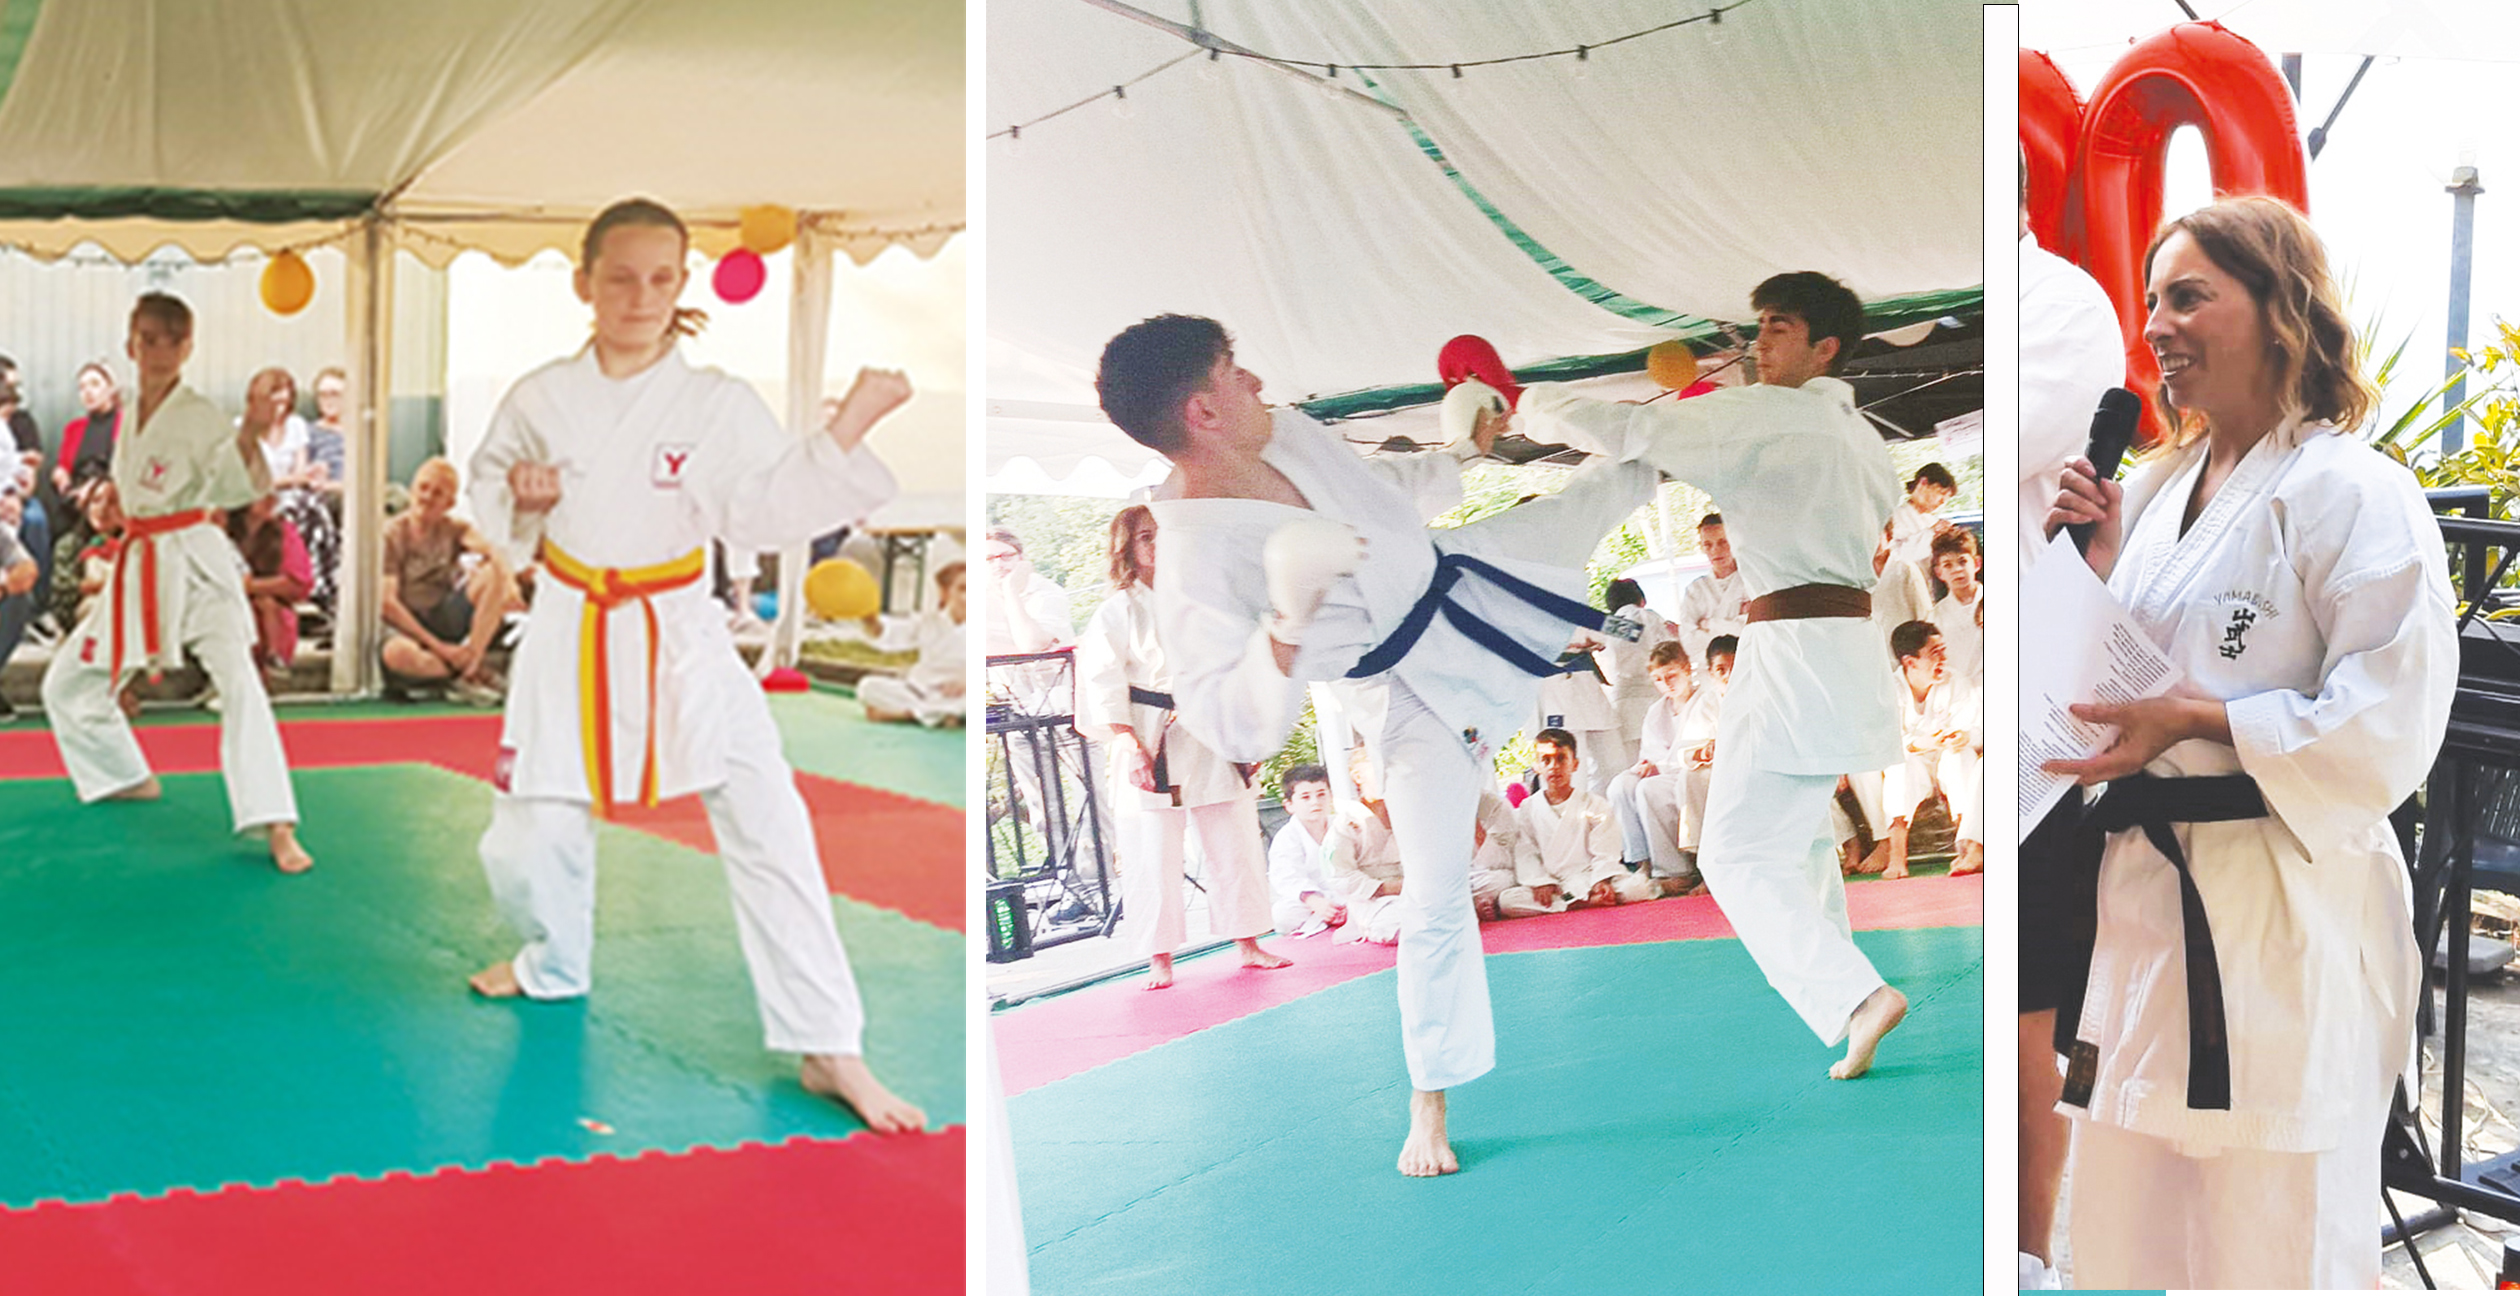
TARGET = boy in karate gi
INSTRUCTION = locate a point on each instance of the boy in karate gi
(1805, 486)
(176, 585)
(1646, 797)
(1264, 584)
(1299, 856)
(931, 693)
(1567, 855)
(615, 468)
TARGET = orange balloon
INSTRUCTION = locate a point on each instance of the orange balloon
(767, 228)
(287, 284)
(1672, 365)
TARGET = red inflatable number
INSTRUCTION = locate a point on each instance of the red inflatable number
(2051, 125)
(2195, 74)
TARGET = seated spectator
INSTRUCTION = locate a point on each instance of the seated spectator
(441, 612)
(1495, 835)
(327, 461)
(1913, 525)
(1365, 859)
(1698, 723)
(1578, 701)
(1646, 798)
(277, 578)
(1567, 852)
(21, 474)
(83, 560)
(932, 693)
(1933, 726)
(87, 442)
(18, 600)
(1956, 612)
(1299, 856)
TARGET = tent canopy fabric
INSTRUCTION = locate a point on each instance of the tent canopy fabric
(478, 123)
(1567, 219)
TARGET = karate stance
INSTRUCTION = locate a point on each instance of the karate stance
(1165, 783)
(177, 585)
(2296, 578)
(615, 468)
(1263, 585)
(1805, 486)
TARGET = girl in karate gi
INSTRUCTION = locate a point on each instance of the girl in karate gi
(614, 469)
(176, 586)
(2296, 578)
(1165, 783)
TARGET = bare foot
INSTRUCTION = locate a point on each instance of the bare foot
(147, 789)
(1879, 1014)
(843, 1077)
(497, 981)
(1972, 860)
(1428, 1152)
(1158, 973)
(286, 855)
(1255, 957)
(1877, 860)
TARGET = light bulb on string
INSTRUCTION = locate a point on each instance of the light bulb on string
(1328, 84)
(1715, 27)
(1120, 105)
(1583, 63)
(1208, 69)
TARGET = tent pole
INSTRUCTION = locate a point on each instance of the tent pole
(809, 338)
(370, 295)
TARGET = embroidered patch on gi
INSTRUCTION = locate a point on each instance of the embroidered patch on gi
(1555, 722)
(503, 770)
(155, 473)
(665, 472)
(87, 651)
(2251, 608)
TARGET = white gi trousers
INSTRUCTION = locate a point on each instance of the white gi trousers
(1432, 780)
(891, 693)
(1659, 818)
(1153, 845)
(540, 855)
(1770, 860)
(95, 737)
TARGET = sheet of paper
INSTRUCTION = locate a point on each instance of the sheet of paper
(2077, 645)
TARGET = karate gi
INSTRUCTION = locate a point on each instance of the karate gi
(1577, 702)
(182, 461)
(1934, 769)
(1573, 846)
(653, 467)
(1964, 641)
(1299, 866)
(2311, 597)
(1431, 721)
(1118, 655)
(1804, 484)
(1363, 855)
(1626, 667)
(2071, 351)
(1709, 607)
(938, 639)
(1701, 718)
(1911, 535)
(1499, 837)
(1627, 795)
(1900, 595)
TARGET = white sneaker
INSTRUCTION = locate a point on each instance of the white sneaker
(2036, 1276)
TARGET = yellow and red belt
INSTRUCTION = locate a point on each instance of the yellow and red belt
(140, 537)
(606, 589)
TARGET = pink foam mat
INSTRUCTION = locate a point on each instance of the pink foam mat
(1061, 1036)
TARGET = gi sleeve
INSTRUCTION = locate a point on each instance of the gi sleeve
(511, 439)
(1661, 734)
(1433, 481)
(1225, 682)
(1688, 439)
(1102, 673)
(757, 487)
(1531, 864)
(231, 476)
(1290, 877)
(1345, 877)
(2334, 763)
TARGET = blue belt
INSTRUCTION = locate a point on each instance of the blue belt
(1449, 569)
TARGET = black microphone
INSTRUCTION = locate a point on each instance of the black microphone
(2112, 430)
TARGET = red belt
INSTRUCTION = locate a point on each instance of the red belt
(1805, 602)
(140, 535)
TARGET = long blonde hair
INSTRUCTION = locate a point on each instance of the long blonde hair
(2269, 247)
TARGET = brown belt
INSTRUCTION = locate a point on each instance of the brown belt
(1804, 602)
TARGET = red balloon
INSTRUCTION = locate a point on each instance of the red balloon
(739, 276)
(1698, 388)
(2050, 127)
(2194, 74)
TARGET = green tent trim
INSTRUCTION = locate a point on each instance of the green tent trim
(258, 207)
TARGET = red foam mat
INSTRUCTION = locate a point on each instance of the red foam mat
(878, 847)
(861, 1215)
(1060, 1036)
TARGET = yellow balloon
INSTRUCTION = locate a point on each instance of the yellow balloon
(1672, 365)
(767, 228)
(840, 590)
(287, 284)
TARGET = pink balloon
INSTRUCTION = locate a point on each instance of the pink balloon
(739, 276)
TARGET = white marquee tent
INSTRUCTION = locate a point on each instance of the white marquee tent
(1572, 210)
(490, 125)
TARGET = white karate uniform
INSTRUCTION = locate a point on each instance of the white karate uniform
(1642, 813)
(1363, 855)
(1900, 595)
(1804, 483)
(1573, 846)
(1433, 720)
(1578, 702)
(184, 458)
(1492, 864)
(1630, 674)
(1700, 719)
(2071, 351)
(938, 639)
(1709, 607)
(1911, 535)
(653, 467)
(1934, 769)
(1299, 866)
(1964, 641)
(1117, 650)
(2311, 597)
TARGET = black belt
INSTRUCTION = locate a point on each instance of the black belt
(1449, 569)
(2153, 805)
(1149, 697)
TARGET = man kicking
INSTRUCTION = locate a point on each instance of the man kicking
(1805, 486)
(1263, 582)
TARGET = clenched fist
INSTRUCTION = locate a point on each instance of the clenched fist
(876, 393)
(535, 486)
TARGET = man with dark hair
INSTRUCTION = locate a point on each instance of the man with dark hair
(1262, 585)
(1805, 486)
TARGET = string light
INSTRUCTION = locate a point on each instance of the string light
(1120, 106)
(1327, 73)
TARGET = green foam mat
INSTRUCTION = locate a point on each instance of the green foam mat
(1659, 1121)
(180, 1015)
(829, 734)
